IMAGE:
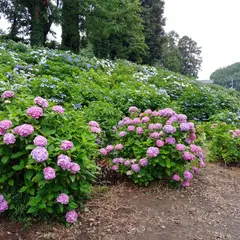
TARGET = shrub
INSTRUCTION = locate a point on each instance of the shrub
(232, 118)
(153, 145)
(224, 144)
(46, 158)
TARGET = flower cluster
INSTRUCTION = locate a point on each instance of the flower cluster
(58, 109)
(235, 133)
(40, 154)
(41, 102)
(24, 130)
(162, 139)
(40, 141)
(7, 94)
(63, 198)
(94, 127)
(9, 139)
(3, 204)
(35, 112)
(66, 145)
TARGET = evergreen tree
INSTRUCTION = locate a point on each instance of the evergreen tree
(153, 22)
(115, 29)
(70, 25)
(190, 56)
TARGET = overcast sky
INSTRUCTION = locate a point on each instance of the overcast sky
(213, 24)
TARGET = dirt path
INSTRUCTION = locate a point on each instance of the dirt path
(208, 210)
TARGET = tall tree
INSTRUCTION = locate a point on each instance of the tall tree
(115, 29)
(70, 25)
(228, 77)
(171, 57)
(190, 56)
(154, 23)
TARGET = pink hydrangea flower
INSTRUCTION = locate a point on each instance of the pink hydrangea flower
(135, 167)
(170, 140)
(103, 151)
(74, 167)
(49, 173)
(181, 118)
(176, 178)
(181, 147)
(95, 130)
(64, 161)
(160, 143)
(35, 112)
(129, 172)
(109, 148)
(131, 128)
(184, 127)
(195, 149)
(9, 138)
(143, 162)
(7, 94)
(155, 114)
(93, 124)
(1, 132)
(41, 102)
(120, 160)
(186, 184)
(195, 170)
(167, 112)
(148, 112)
(63, 198)
(3, 204)
(24, 130)
(58, 109)
(133, 109)
(71, 216)
(5, 124)
(40, 154)
(139, 130)
(169, 129)
(119, 147)
(136, 121)
(188, 176)
(158, 126)
(120, 123)
(154, 135)
(127, 163)
(115, 167)
(40, 141)
(145, 119)
(191, 125)
(152, 152)
(122, 134)
(187, 156)
(66, 145)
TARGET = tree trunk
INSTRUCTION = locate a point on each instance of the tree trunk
(70, 25)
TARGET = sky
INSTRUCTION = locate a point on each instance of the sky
(213, 24)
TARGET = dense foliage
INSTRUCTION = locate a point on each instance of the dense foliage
(228, 77)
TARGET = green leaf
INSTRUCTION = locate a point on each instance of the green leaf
(5, 159)
(17, 167)
(73, 205)
(32, 210)
(23, 189)
(10, 182)
(29, 174)
(17, 155)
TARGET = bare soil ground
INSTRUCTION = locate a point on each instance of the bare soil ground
(208, 210)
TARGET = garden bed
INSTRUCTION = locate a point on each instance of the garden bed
(208, 210)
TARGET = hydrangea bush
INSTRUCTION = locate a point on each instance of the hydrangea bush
(155, 144)
(223, 142)
(46, 159)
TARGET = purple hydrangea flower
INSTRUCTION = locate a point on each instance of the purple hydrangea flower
(93, 124)
(131, 128)
(71, 216)
(143, 162)
(170, 140)
(145, 119)
(66, 145)
(188, 175)
(58, 109)
(122, 134)
(135, 167)
(148, 112)
(41, 102)
(40, 154)
(139, 130)
(127, 163)
(109, 148)
(95, 130)
(154, 135)
(40, 141)
(74, 167)
(3, 205)
(133, 109)
(186, 184)
(63, 198)
(49, 173)
(169, 129)
(64, 161)
(187, 156)
(24, 130)
(195, 170)
(176, 178)
(9, 138)
(152, 152)
(180, 147)
(184, 127)
(136, 121)
(7, 94)
(5, 124)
